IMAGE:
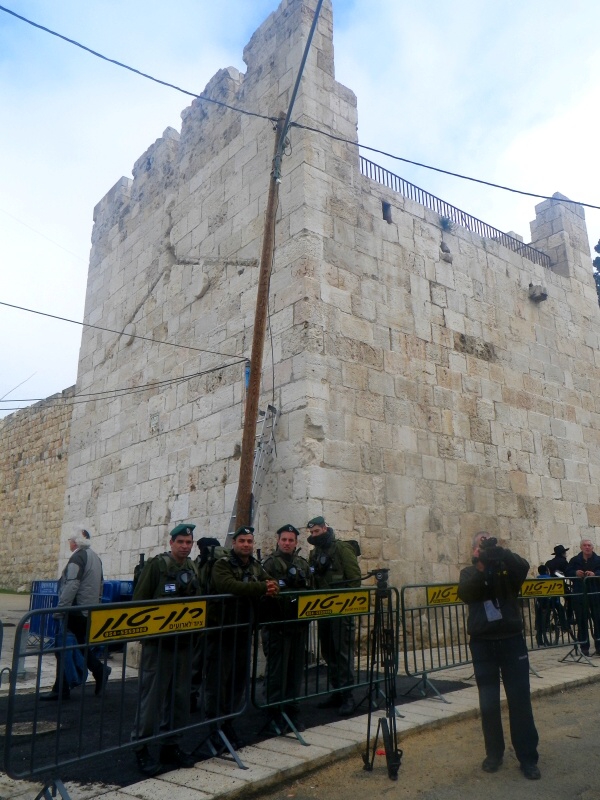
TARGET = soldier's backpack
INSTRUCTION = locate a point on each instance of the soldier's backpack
(206, 561)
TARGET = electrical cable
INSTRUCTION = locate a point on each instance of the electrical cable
(132, 69)
(120, 333)
(297, 124)
(439, 169)
(122, 392)
(39, 233)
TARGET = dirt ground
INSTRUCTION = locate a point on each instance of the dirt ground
(445, 764)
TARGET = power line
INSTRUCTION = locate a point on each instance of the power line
(111, 330)
(132, 69)
(39, 233)
(112, 394)
(296, 124)
(439, 169)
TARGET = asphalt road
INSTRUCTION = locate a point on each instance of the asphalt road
(445, 763)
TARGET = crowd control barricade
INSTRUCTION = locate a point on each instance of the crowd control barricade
(582, 603)
(548, 608)
(434, 622)
(317, 643)
(193, 634)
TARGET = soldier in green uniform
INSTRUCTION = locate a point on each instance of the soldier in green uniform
(335, 566)
(165, 670)
(239, 574)
(286, 643)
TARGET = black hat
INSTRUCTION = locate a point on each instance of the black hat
(288, 529)
(185, 529)
(559, 550)
(315, 521)
(208, 541)
(246, 529)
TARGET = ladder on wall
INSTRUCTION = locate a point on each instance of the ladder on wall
(264, 449)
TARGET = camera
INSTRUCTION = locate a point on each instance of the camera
(489, 551)
(381, 575)
(486, 544)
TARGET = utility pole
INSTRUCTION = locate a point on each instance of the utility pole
(244, 498)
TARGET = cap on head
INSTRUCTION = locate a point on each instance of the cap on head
(559, 550)
(315, 521)
(288, 529)
(185, 529)
(247, 530)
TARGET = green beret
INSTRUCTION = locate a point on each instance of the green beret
(315, 521)
(246, 529)
(288, 529)
(185, 529)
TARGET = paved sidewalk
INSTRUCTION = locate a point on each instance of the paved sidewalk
(280, 759)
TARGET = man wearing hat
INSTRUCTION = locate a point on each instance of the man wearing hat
(285, 644)
(560, 562)
(335, 566)
(166, 663)
(241, 575)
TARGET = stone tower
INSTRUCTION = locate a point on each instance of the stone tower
(423, 394)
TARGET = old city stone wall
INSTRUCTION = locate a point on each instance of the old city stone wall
(33, 469)
(423, 395)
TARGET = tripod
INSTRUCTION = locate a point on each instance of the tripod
(384, 649)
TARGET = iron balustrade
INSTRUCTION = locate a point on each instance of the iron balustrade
(397, 184)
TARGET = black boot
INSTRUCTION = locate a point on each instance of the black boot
(146, 764)
(173, 756)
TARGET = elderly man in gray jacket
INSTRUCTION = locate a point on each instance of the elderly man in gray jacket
(80, 585)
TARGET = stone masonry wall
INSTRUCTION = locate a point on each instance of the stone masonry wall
(175, 259)
(423, 395)
(453, 403)
(33, 470)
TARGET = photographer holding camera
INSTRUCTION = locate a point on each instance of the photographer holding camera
(491, 589)
(285, 645)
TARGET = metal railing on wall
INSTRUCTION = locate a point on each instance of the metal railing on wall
(383, 176)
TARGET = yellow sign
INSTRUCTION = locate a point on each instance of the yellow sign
(330, 604)
(546, 587)
(442, 594)
(136, 622)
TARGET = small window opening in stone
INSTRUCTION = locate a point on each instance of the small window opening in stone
(386, 210)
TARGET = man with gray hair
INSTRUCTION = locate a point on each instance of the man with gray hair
(490, 587)
(585, 600)
(80, 585)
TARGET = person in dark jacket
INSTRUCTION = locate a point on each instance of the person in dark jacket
(241, 575)
(334, 565)
(560, 562)
(490, 587)
(586, 564)
(166, 662)
(285, 643)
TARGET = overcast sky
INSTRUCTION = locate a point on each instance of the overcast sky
(502, 90)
